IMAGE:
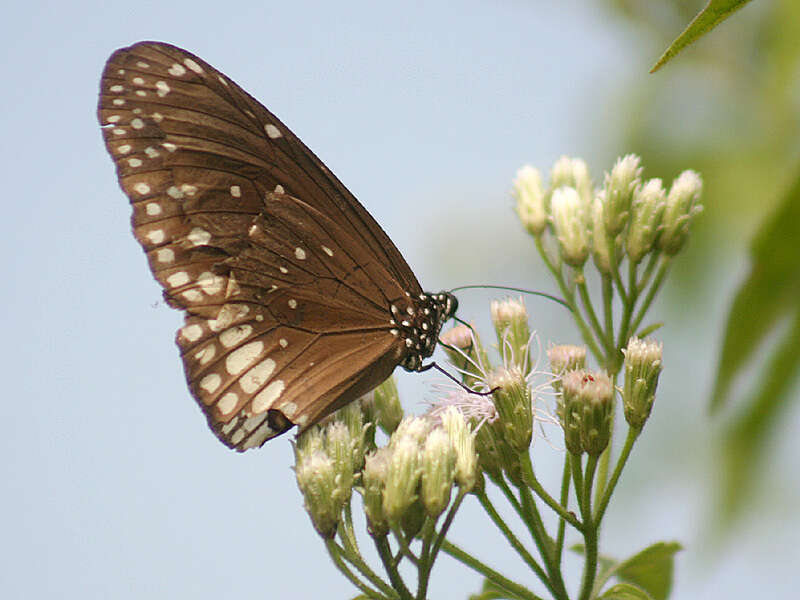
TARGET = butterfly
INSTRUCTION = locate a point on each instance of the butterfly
(295, 301)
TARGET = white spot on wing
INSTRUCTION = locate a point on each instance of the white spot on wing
(199, 237)
(179, 278)
(138, 81)
(210, 383)
(176, 70)
(162, 89)
(135, 162)
(292, 303)
(151, 152)
(227, 403)
(192, 332)
(174, 192)
(300, 253)
(272, 131)
(193, 65)
(156, 236)
(165, 255)
(243, 357)
(235, 335)
(118, 102)
(116, 89)
(137, 123)
(327, 251)
(169, 147)
(267, 396)
(153, 208)
(257, 376)
(236, 191)
(211, 284)
(142, 188)
(283, 342)
(279, 189)
(206, 354)
(124, 149)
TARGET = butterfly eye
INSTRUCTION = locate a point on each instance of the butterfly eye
(295, 300)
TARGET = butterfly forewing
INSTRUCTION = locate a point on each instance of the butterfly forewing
(296, 301)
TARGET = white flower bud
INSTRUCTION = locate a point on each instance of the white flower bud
(683, 204)
(619, 186)
(530, 200)
(646, 210)
(438, 466)
(466, 467)
(569, 222)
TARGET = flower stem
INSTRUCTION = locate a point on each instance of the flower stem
(530, 478)
(651, 293)
(512, 539)
(500, 580)
(385, 553)
(590, 531)
(335, 551)
(565, 503)
(623, 458)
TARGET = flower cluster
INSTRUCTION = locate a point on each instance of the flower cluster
(626, 216)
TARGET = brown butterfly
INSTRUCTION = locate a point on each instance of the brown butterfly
(296, 302)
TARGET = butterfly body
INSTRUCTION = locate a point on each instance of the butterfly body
(296, 302)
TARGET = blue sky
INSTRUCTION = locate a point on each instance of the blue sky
(113, 486)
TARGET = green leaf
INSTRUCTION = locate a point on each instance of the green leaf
(625, 591)
(712, 15)
(769, 293)
(650, 569)
(492, 591)
(770, 296)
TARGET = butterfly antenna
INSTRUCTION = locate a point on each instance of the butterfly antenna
(514, 289)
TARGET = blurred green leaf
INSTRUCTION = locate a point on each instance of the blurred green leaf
(712, 15)
(625, 591)
(651, 569)
(769, 293)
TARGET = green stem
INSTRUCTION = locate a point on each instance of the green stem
(608, 310)
(500, 580)
(385, 554)
(648, 271)
(544, 543)
(530, 478)
(613, 261)
(425, 560)
(565, 503)
(586, 300)
(590, 531)
(605, 457)
(448, 521)
(623, 458)
(512, 539)
(577, 480)
(651, 293)
(334, 550)
(569, 298)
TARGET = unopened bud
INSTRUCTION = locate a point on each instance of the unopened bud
(514, 407)
(463, 441)
(570, 410)
(339, 447)
(510, 320)
(376, 466)
(646, 210)
(570, 225)
(387, 407)
(438, 469)
(402, 478)
(566, 357)
(316, 478)
(601, 252)
(530, 200)
(618, 191)
(598, 399)
(683, 205)
(574, 173)
(643, 364)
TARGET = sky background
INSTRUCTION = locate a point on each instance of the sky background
(113, 487)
